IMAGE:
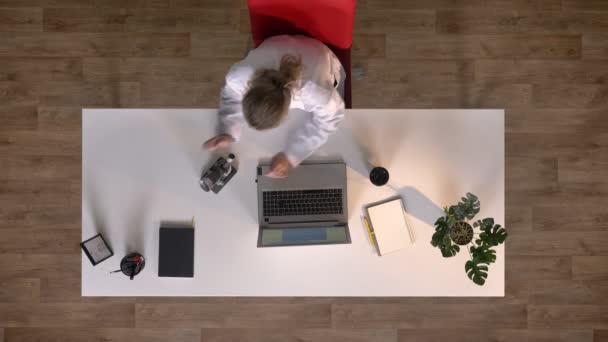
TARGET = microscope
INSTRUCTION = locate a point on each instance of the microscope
(215, 178)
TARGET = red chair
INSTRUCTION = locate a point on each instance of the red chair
(329, 21)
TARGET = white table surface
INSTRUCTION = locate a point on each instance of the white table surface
(142, 166)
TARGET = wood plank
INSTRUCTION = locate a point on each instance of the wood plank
(59, 44)
(67, 315)
(564, 292)
(510, 21)
(584, 175)
(554, 145)
(595, 46)
(538, 267)
(139, 20)
(416, 71)
(85, 19)
(205, 3)
(47, 191)
(209, 20)
(567, 316)
(550, 243)
(541, 71)
(449, 46)
(531, 174)
(389, 316)
(17, 94)
(32, 266)
(52, 118)
(518, 218)
(368, 46)
(40, 241)
(40, 69)
(590, 267)
(233, 315)
(24, 167)
(297, 335)
(89, 94)
(563, 95)
(156, 69)
(587, 5)
(180, 94)
(102, 334)
(66, 288)
(132, 3)
(36, 143)
(46, 3)
(555, 120)
(219, 45)
(447, 95)
(582, 170)
(385, 20)
(560, 218)
(21, 19)
(19, 117)
(503, 335)
(525, 5)
(464, 4)
(19, 290)
(599, 335)
(245, 21)
(48, 216)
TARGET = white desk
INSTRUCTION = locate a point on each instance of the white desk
(142, 166)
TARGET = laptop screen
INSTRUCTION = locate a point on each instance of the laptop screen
(303, 236)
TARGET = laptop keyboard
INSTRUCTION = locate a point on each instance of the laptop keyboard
(302, 202)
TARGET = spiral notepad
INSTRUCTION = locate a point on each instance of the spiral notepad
(389, 226)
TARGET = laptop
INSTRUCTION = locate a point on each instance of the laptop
(307, 208)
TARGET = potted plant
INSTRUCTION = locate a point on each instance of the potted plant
(454, 230)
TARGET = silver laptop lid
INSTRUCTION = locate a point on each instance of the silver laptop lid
(310, 175)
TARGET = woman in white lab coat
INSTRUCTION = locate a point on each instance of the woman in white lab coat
(283, 72)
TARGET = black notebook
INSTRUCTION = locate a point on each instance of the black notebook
(176, 252)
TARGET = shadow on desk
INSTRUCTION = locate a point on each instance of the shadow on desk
(419, 206)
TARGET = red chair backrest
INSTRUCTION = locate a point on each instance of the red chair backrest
(330, 21)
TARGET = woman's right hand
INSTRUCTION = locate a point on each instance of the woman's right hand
(219, 141)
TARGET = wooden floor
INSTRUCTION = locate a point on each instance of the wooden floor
(545, 61)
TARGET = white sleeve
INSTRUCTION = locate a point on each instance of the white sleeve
(314, 133)
(231, 110)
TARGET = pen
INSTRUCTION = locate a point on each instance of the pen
(370, 234)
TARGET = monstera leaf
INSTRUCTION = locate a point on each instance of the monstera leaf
(483, 254)
(441, 238)
(468, 207)
(477, 272)
(493, 236)
(447, 248)
(485, 224)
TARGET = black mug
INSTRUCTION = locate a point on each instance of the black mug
(132, 264)
(379, 176)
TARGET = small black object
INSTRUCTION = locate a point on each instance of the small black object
(96, 249)
(379, 176)
(176, 252)
(132, 264)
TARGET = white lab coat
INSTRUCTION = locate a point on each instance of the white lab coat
(316, 93)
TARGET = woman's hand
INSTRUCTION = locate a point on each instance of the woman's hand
(279, 167)
(219, 141)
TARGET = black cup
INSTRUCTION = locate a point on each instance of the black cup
(132, 264)
(379, 176)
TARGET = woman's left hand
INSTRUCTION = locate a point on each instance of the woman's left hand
(279, 167)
